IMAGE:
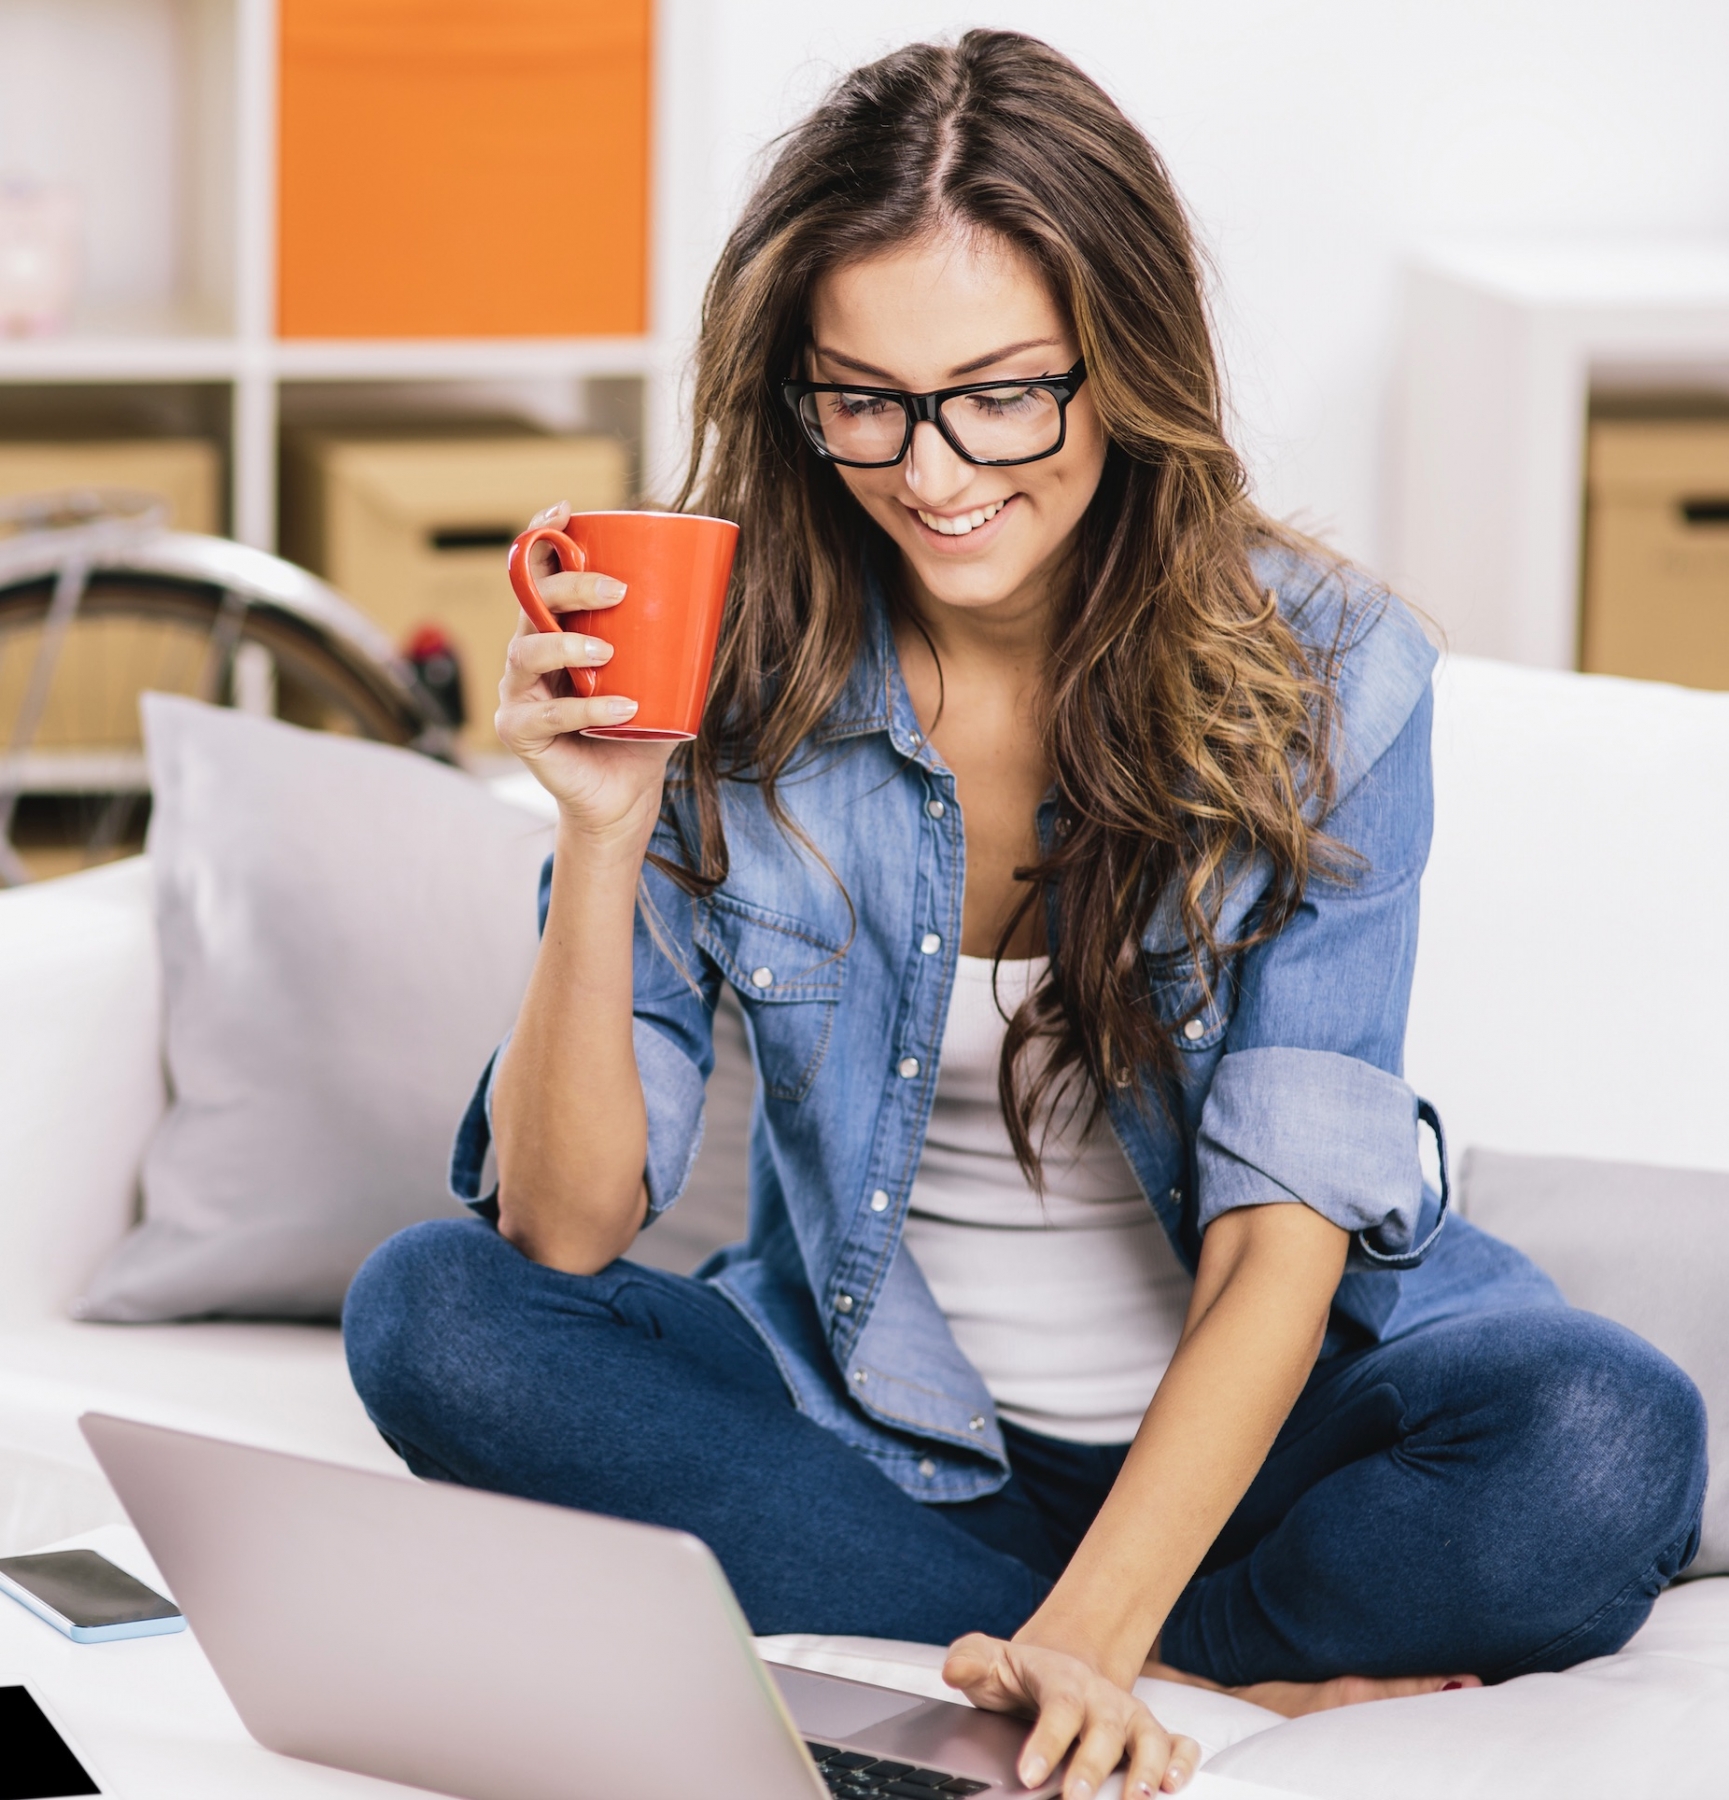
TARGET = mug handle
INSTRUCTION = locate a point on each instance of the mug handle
(568, 554)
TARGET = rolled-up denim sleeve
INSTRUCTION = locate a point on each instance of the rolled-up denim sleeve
(473, 1167)
(673, 1038)
(1308, 1102)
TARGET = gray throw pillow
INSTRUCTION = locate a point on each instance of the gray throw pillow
(346, 932)
(1646, 1247)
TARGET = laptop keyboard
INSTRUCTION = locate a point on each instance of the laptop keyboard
(853, 1776)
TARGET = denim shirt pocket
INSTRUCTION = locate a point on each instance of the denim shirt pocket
(788, 976)
(1196, 1019)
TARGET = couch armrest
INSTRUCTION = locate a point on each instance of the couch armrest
(81, 1080)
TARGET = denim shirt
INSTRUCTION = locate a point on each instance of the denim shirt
(1290, 1087)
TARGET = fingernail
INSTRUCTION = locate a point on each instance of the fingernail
(1141, 1787)
(1448, 1686)
(606, 588)
(597, 648)
(1079, 1790)
(1034, 1770)
(619, 708)
(1174, 1779)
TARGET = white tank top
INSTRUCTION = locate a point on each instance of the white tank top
(1069, 1307)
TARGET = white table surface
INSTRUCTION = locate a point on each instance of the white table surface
(154, 1723)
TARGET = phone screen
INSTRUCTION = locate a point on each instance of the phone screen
(86, 1588)
(35, 1763)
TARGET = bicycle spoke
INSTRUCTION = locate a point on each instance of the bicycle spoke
(224, 637)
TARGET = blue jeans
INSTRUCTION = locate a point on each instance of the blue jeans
(1494, 1494)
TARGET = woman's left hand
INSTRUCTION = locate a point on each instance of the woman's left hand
(1075, 1706)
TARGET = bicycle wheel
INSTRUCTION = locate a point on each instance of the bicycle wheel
(99, 607)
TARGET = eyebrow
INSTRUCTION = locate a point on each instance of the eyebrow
(966, 368)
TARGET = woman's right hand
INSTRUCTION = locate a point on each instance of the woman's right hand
(1079, 1713)
(605, 787)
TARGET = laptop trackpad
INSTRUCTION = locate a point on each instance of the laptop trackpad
(937, 1734)
(827, 1707)
(940, 1734)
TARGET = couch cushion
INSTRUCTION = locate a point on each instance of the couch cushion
(1648, 1248)
(346, 931)
(285, 1387)
(1651, 1723)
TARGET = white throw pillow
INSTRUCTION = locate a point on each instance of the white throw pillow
(346, 932)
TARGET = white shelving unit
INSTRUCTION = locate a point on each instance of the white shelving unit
(211, 320)
(1505, 346)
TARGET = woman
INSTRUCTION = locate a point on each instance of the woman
(1057, 820)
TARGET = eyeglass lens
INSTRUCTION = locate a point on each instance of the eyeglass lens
(1000, 424)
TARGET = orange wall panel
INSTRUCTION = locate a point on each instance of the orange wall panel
(464, 168)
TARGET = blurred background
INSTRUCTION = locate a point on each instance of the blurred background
(364, 282)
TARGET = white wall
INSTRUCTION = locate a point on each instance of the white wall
(1315, 140)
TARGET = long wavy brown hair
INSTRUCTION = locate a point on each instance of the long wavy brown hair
(1187, 730)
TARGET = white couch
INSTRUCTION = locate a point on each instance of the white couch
(1571, 998)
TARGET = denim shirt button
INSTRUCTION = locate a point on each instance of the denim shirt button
(976, 1422)
(762, 978)
(1176, 1196)
(843, 1303)
(935, 808)
(879, 1201)
(1194, 1029)
(861, 1376)
(909, 1067)
(927, 1468)
(930, 943)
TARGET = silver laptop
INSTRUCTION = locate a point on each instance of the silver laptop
(504, 1650)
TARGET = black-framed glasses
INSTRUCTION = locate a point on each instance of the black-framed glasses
(991, 423)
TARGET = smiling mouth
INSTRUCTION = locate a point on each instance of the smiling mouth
(961, 523)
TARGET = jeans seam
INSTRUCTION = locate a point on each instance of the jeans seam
(1670, 1552)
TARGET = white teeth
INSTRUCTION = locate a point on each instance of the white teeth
(960, 525)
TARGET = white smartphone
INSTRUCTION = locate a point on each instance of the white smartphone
(87, 1597)
(35, 1758)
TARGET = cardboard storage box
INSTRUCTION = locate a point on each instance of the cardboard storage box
(1657, 551)
(105, 664)
(186, 472)
(413, 530)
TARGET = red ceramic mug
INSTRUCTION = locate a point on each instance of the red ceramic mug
(675, 568)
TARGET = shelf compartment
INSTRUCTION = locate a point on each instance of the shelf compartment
(132, 109)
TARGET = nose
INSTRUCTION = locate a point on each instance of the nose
(933, 471)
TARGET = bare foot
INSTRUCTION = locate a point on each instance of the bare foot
(1294, 1698)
